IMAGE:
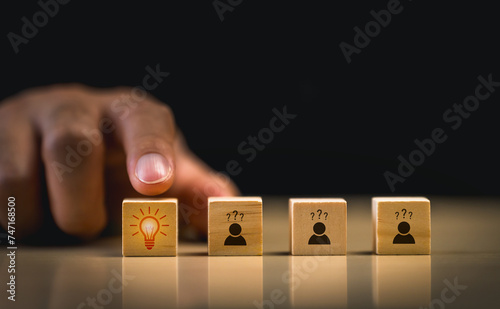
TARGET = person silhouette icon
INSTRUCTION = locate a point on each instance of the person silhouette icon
(403, 237)
(234, 239)
(319, 238)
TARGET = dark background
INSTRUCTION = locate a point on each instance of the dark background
(353, 120)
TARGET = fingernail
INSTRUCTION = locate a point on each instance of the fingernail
(153, 168)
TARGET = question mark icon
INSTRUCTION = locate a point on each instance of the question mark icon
(320, 212)
(228, 216)
(326, 215)
(242, 215)
(312, 213)
(411, 214)
(397, 214)
(235, 212)
(404, 212)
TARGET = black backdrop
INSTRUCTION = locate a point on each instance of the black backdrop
(226, 77)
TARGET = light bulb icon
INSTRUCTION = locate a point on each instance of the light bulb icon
(149, 227)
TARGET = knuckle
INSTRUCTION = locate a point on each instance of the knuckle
(70, 110)
(165, 111)
(70, 135)
(68, 125)
(133, 95)
(157, 114)
(164, 114)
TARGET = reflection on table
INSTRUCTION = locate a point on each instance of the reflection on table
(235, 282)
(151, 282)
(70, 285)
(318, 281)
(402, 281)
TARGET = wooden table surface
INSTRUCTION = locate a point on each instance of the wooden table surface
(463, 270)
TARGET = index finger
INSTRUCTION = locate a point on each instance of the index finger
(146, 129)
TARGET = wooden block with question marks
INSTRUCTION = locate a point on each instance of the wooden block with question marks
(149, 227)
(318, 226)
(401, 225)
(234, 226)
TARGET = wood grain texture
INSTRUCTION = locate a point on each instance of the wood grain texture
(225, 214)
(401, 225)
(163, 211)
(314, 222)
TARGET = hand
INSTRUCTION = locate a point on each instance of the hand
(96, 146)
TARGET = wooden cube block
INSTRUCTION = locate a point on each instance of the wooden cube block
(234, 226)
(401, 225)
(318, 226)
(149, 227)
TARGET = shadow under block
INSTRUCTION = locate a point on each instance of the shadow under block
(401, 225)
(149, 227)
(234, 226)
(318, 226)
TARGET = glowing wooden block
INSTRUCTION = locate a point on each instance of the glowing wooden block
(401, 225)
(149, 227)
(318, 226)
(234, 226)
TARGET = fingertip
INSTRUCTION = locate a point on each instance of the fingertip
(153, 174)
(153, 168)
